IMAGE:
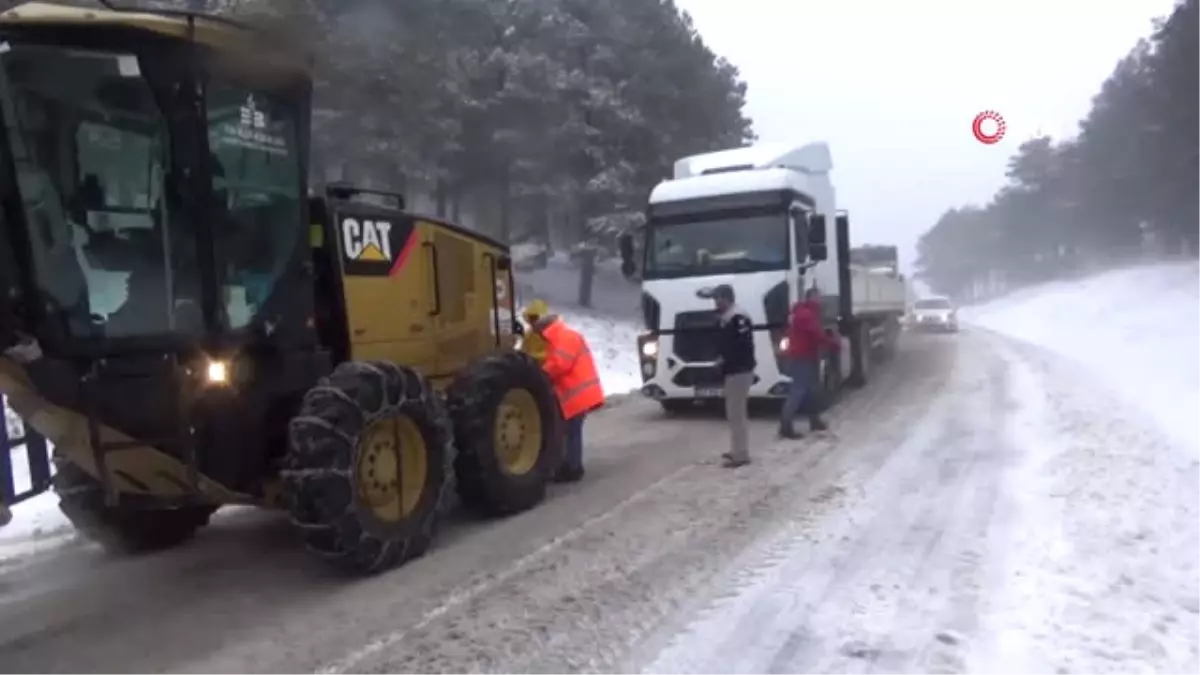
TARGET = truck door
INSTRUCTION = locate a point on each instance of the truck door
(798, 219)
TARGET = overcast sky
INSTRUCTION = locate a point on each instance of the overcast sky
(894, 87)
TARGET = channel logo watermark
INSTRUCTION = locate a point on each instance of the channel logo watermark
(988, 127)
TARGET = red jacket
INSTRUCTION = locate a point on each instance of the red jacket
(805, 334)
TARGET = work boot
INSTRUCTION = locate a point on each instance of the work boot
(817, 424)
(789, 433)
(732, 463)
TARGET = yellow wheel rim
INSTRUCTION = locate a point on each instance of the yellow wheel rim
(393, 463)
(517, 435)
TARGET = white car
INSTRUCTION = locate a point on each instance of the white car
(934, 314)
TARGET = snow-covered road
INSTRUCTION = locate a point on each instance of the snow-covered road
(1019, 520)
(985, 505)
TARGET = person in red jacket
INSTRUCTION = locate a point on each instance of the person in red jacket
(802, 359)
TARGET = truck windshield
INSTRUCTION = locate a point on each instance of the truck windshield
(256, 160)
(701, 247)
(90, 150)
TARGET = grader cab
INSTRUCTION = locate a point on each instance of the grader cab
(189, 328)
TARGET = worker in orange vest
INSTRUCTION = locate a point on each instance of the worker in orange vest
(572, 370)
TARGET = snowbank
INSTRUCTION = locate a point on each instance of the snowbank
(1137, 328)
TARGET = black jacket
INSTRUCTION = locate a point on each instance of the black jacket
(736, 343)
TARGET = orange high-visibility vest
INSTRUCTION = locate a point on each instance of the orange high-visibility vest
(572, 370)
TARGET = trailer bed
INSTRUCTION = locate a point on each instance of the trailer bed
(875, 292)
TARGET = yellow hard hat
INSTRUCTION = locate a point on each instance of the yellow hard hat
(535, 310)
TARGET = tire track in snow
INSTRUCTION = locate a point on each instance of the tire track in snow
(887, 625)
(592, 604)
(796, 621)
(945, 590)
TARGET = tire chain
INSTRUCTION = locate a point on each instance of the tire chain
(321, 455)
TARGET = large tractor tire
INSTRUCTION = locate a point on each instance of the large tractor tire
(369, 466)
(125, 528)
(508, 429)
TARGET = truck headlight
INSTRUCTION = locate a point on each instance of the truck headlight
(650, 349)
(784, 343)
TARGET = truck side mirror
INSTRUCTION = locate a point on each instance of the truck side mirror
(818, 248)
(625, 244)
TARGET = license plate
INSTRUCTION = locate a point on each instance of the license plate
(709, 392)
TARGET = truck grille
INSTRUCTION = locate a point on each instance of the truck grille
(698, 376)
(696, 336)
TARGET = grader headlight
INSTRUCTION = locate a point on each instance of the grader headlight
(217, 373)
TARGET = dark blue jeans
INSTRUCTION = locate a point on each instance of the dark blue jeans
(573, 458)
(804, 378)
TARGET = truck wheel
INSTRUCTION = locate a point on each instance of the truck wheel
(860, 355)
(829, 379)
(124, 528)
(368, 469)
(891, 335)
(508, 430)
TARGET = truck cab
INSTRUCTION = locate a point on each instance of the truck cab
(753, 218)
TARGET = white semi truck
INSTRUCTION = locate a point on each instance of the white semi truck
(755, 218)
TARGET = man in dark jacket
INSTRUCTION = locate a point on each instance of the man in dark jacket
(806, 338)
(736, 361)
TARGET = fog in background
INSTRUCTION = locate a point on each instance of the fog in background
(546, 123)
(894, 87)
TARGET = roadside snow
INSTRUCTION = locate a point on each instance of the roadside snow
(37, 523)
(1101, 572)
(1137, 329)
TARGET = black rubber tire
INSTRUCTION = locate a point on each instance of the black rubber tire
(473, 399)
(888, 350)
(830, 383)
(861, 352)
(122, 529)
(319, 471)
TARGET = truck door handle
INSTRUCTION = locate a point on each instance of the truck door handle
(437, 288)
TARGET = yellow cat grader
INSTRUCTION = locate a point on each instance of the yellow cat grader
(190, 327)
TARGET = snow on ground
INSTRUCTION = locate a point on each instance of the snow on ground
(1137, 328)
(1101, 572)
(1014, 524)
(38, 524)
(1039, 515)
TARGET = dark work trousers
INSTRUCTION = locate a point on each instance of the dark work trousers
(800, 393)
(573, 458)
